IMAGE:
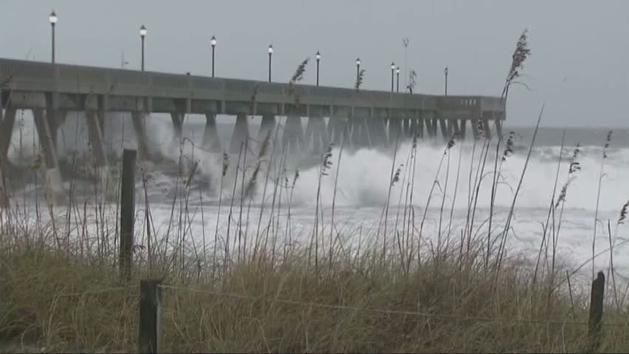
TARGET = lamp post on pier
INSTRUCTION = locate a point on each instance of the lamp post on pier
(357, 69)
(143, 33)
(445, 72)
(318, 57)
(52, 18)
(213, 44)
(392, 75)
(397, 73)
(270, 58)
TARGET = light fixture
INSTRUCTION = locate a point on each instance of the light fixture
(53, 18)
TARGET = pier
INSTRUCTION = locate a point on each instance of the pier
(367, 118)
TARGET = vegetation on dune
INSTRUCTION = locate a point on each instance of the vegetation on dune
(259, 290)
(62, 302)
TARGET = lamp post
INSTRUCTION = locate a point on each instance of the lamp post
(270, 56)
(397, 73)
(318, 57)
(392, 75)
(357, 69)
(405, 42)
(53, 21)
(143, 33)
(213, 43)
(445, 72)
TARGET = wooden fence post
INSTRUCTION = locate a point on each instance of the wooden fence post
(150, 299)
(127, 213)
(596, 311)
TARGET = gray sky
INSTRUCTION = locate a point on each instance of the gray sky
(578, 67)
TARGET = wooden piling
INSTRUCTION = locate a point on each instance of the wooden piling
(316, 139)
(445, 133)
(241, 133)
(596, 312)
(498, 128)
(177, 118)
(127, 213)
(462, 125)
(210, 134)
(138, 120)
(293, 136)
(150, 303)
(46, 140)
(95, 135)
(6, 129)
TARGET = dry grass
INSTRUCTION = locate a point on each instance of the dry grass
(60, 302)
(62, 293)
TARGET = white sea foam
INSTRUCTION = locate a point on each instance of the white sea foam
(365, 175)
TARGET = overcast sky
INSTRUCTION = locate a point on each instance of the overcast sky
(579, 63)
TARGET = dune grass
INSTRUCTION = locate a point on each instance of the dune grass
(59, 302)
(260, 289)
(60, 288)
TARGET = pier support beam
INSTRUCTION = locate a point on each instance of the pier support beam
(435, 127)
(406, 127)
(57, 119)
(317, 135)
(267, 131)
(100, 116)
(353, 134)
(413, 127)
(96, 139)
(267, 126)
(139, 126)
(475, 128)
(428, 124)
(293, 136)
(453, 128)
(211, 141)
(431, 127)
(498, 128)
(444, 129)
(101, 164)
(52, 175)
(486, 129)
(417, 127)
(241, 133)
(336, 129)
(54, 117)
(462, 125)
(177, 119)
(421, 123)
(395, 130)
(377, 131)
(7, 122)
(360, 131)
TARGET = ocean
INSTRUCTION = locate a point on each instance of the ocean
(357, 190)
